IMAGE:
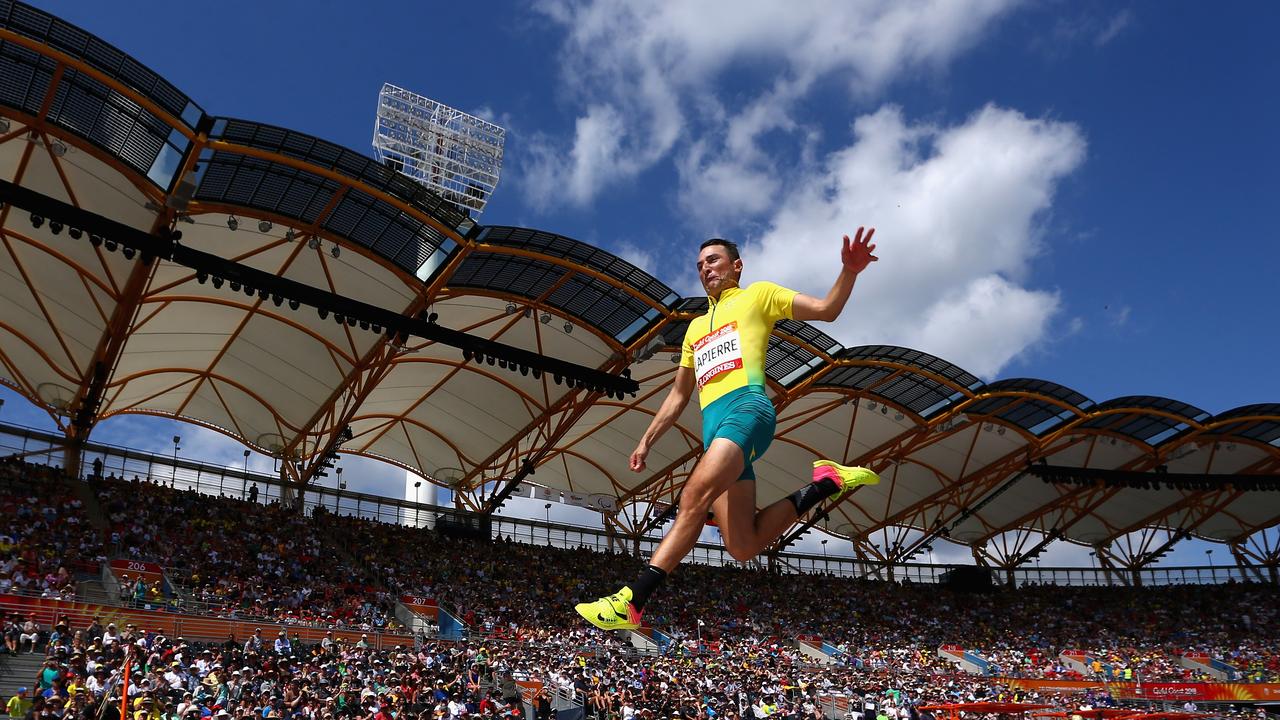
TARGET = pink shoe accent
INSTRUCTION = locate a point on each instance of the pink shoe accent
(823, 472)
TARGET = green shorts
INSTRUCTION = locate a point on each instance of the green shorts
(744, 416)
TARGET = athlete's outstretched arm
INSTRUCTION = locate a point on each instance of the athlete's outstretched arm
(677, 398)
(855, 256)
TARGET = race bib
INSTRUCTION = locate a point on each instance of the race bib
(716, 353)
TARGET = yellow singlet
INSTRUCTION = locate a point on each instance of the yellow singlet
(726, 347)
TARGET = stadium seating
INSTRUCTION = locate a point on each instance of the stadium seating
(732, 627)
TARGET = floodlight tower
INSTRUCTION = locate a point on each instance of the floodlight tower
(455, 154)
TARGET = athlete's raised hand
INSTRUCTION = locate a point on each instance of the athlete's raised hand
(856, 254)
(638, 457)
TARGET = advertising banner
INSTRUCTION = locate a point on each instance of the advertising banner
(1171, 692)
(46, 611)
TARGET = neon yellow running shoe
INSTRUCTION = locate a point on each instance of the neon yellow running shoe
(847, 478)
(615, 612)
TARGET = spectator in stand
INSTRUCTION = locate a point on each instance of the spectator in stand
(19, 705)
(282, 644)
(12, 633)
(254, 644)
(30, 634)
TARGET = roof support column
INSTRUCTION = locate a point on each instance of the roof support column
(1109, 564)
(1259, 555)
(72, 454)
(291, 495)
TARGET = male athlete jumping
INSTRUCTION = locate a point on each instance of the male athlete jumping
(723, 355)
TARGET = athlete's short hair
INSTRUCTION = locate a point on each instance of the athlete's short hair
(730, 247)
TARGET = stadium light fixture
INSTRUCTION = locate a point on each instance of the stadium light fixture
(568, 327)
(511, 308)
(453, 154)
(36, 221)
(289, 235)
(545, 319)
(173, 475)
(57, 148)
(314, 243)
(335, 250)
(55, 227)
(264, 226)
(232, 223)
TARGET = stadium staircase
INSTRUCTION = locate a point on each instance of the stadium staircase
(1083, 663)
(177, 583)
(89, 588)
(966, 660)
(92, 509)
(452, 627)
(19, 671)
(812, 647)
(1213, 667)
(841, 657)
(93, 591)
(647, 641)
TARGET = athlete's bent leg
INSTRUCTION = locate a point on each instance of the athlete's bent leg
(746, 532)
(718, 470)
(721, 466)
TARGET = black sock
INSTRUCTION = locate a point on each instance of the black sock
(810, 495)
(650, 578)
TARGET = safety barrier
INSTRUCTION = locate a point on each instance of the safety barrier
(46, 611)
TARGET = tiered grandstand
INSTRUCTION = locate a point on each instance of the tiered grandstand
(309, 302)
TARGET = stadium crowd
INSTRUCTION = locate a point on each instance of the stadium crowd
(170, 679)
(240, 559)
(733, 653)
(45, 538)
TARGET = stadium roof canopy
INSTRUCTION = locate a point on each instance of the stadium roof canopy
(84, 326)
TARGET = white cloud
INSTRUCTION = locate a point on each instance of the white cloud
(957, 210)
(986, 323)
(642, 75)
(636, 255)
(1115, 26)
(1120, 316)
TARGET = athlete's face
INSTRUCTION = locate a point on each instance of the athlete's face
(717, 270)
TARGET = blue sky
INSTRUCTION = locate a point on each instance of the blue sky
(1078, 191)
